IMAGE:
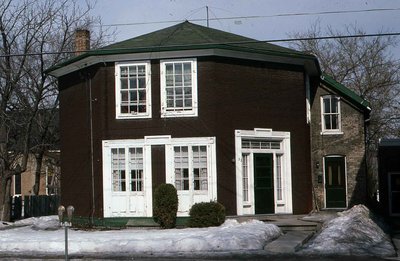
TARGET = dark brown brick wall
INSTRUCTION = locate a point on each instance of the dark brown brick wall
(232, 94)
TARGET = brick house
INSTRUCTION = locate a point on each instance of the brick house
(221, 116)
(338, 120)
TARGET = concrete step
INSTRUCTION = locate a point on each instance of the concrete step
(311, 227)
(289, 242)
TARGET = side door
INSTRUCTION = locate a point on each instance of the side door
(124, 182)
(394, 193)
(191, 176)
(335, 182)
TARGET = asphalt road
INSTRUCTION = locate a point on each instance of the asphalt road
(254, 257)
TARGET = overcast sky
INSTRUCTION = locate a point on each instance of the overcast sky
(258, 19)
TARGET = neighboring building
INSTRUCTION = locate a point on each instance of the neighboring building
(389, 177)
(338, 119)
(221, 116)
(22, 185)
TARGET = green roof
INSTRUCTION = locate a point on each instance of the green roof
(346, 92)
(189, 36)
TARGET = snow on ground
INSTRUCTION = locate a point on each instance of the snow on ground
(354, 232)
(42, 236)
(351, 232)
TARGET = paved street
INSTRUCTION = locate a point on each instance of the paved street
(227, 257)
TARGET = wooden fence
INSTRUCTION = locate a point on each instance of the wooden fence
(34, 206)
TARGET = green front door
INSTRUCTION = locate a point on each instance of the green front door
(335, 182)
(263, 184)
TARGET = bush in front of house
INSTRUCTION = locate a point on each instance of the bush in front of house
(165, 205)
(206, 214)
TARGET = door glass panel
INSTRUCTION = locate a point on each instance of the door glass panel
(200, 167)
(118, 169)
(136, 168)
(279, 190)
(181, 162)
(245, 170)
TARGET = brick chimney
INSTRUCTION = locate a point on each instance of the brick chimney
(82, 41)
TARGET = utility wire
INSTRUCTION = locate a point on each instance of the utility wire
(259, 16)
(224, 43)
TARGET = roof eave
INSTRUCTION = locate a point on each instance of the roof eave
(356, 100)
(310, 62)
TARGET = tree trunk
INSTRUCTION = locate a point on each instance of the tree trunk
(38, 172)
(5, 195)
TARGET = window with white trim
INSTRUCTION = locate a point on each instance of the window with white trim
(133, 90)
(330, 107)
(179, 88)
(191, 167)
(279, 188)
(245, 170)
(127, 172)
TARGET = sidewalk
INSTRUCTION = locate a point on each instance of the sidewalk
(288, 243)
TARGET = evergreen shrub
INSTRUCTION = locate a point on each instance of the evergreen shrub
(206, 214)
(165, 205)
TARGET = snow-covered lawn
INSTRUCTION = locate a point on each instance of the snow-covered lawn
(42, 236)
(353, 232)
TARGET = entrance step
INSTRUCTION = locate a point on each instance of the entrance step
(289, 243)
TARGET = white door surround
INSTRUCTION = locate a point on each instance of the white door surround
(277, 143)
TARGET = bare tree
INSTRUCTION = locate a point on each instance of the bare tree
(35, 35)
(367, 66)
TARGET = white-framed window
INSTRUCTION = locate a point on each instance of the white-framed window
(330, 114)
(179, 88)
(132, 90)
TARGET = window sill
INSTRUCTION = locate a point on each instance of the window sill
(178, 115)
(132, 117)
(331, 132)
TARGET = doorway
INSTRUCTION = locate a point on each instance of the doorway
(335, 182)
(264, 183)
(394, 193)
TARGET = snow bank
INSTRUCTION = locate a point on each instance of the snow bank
(39, 237)
(352, 233)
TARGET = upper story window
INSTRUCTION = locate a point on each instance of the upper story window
(179, 88)
(331, 120)
(133, 90)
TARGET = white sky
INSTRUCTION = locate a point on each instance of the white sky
(262, 28)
